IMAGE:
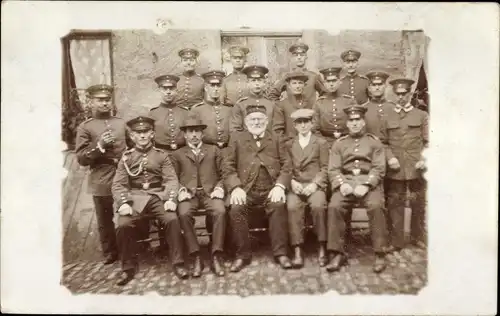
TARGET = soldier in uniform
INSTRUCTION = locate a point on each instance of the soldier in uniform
(257, 172)
(353, 84)
(145, 185)
(282, 121)
(213, 112)
(234, 86)
(199, 168)
(309, 156)
(168, 116)
(256, 82)
(313, 84)
(378, 106)
(356, 169)
(405, 133)
(329, 117)
(190, 85)
(100, 142)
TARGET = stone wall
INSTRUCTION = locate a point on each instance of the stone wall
(141, 55)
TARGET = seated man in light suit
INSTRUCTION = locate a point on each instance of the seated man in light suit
(309, 156)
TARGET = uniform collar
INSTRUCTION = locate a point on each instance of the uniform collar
(144, 150)
(168, 105)
(103, 115)
(354, 74)
(212, 102)
(295, 68)
(189, 73)
(237, 71)
(257, 96)
(407, 108)
(380, 100)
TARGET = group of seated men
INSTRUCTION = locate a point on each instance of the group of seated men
(240, 149)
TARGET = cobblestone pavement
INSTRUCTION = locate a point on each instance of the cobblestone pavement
(406, 273)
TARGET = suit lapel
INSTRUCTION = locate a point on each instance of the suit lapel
(298, 153)
(190, 154)
(265, 141)
(308, 151)
(251, 142)
(203, 152)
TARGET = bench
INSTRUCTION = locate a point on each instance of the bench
(359, 220)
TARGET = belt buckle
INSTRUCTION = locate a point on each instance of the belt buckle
(356, 172)
(145, 186)
(336, 134)
(173, 146)
(220, 144)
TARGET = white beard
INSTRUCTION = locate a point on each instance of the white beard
(257, 131)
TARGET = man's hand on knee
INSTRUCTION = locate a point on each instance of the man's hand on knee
(170, 206)
(238, 197)
(361, 190)
(125, 209)
(277, 195)
(346, 189)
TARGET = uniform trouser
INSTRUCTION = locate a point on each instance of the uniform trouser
(296, 205)
(127, 233)
(396, 201)
(215, 208)
(339, 209)
(104, 214)
(276, 213)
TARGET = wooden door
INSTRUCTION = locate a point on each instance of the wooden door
(267, 50)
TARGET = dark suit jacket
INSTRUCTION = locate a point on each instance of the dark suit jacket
(311, 163)
(184, 162)
(244, 159)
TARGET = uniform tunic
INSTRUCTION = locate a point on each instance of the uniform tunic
(234, 87)
(282, 122)
(355, 86)
(329, 116)
(238, 112)
(152, 181)
(356, 160)
(168, 119)
(314, 84)
(102, 170)
(377, 111)
(216, 116)
(190, 90)
(405, 135)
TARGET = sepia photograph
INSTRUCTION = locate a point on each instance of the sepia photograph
(248, 158)
(170, 188)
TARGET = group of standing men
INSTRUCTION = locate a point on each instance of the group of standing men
(220, 143)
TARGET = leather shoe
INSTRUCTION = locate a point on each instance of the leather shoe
(110, 259)
(217, 266)
(197, 267)
(238, 264)
(129, 276)
(284, 262)
(181, 272)
(379, 264)
(336, 263)
(322, 258)
(298, 260)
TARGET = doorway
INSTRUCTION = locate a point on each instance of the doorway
(266, 49)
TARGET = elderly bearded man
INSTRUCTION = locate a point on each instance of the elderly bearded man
(257, 174)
